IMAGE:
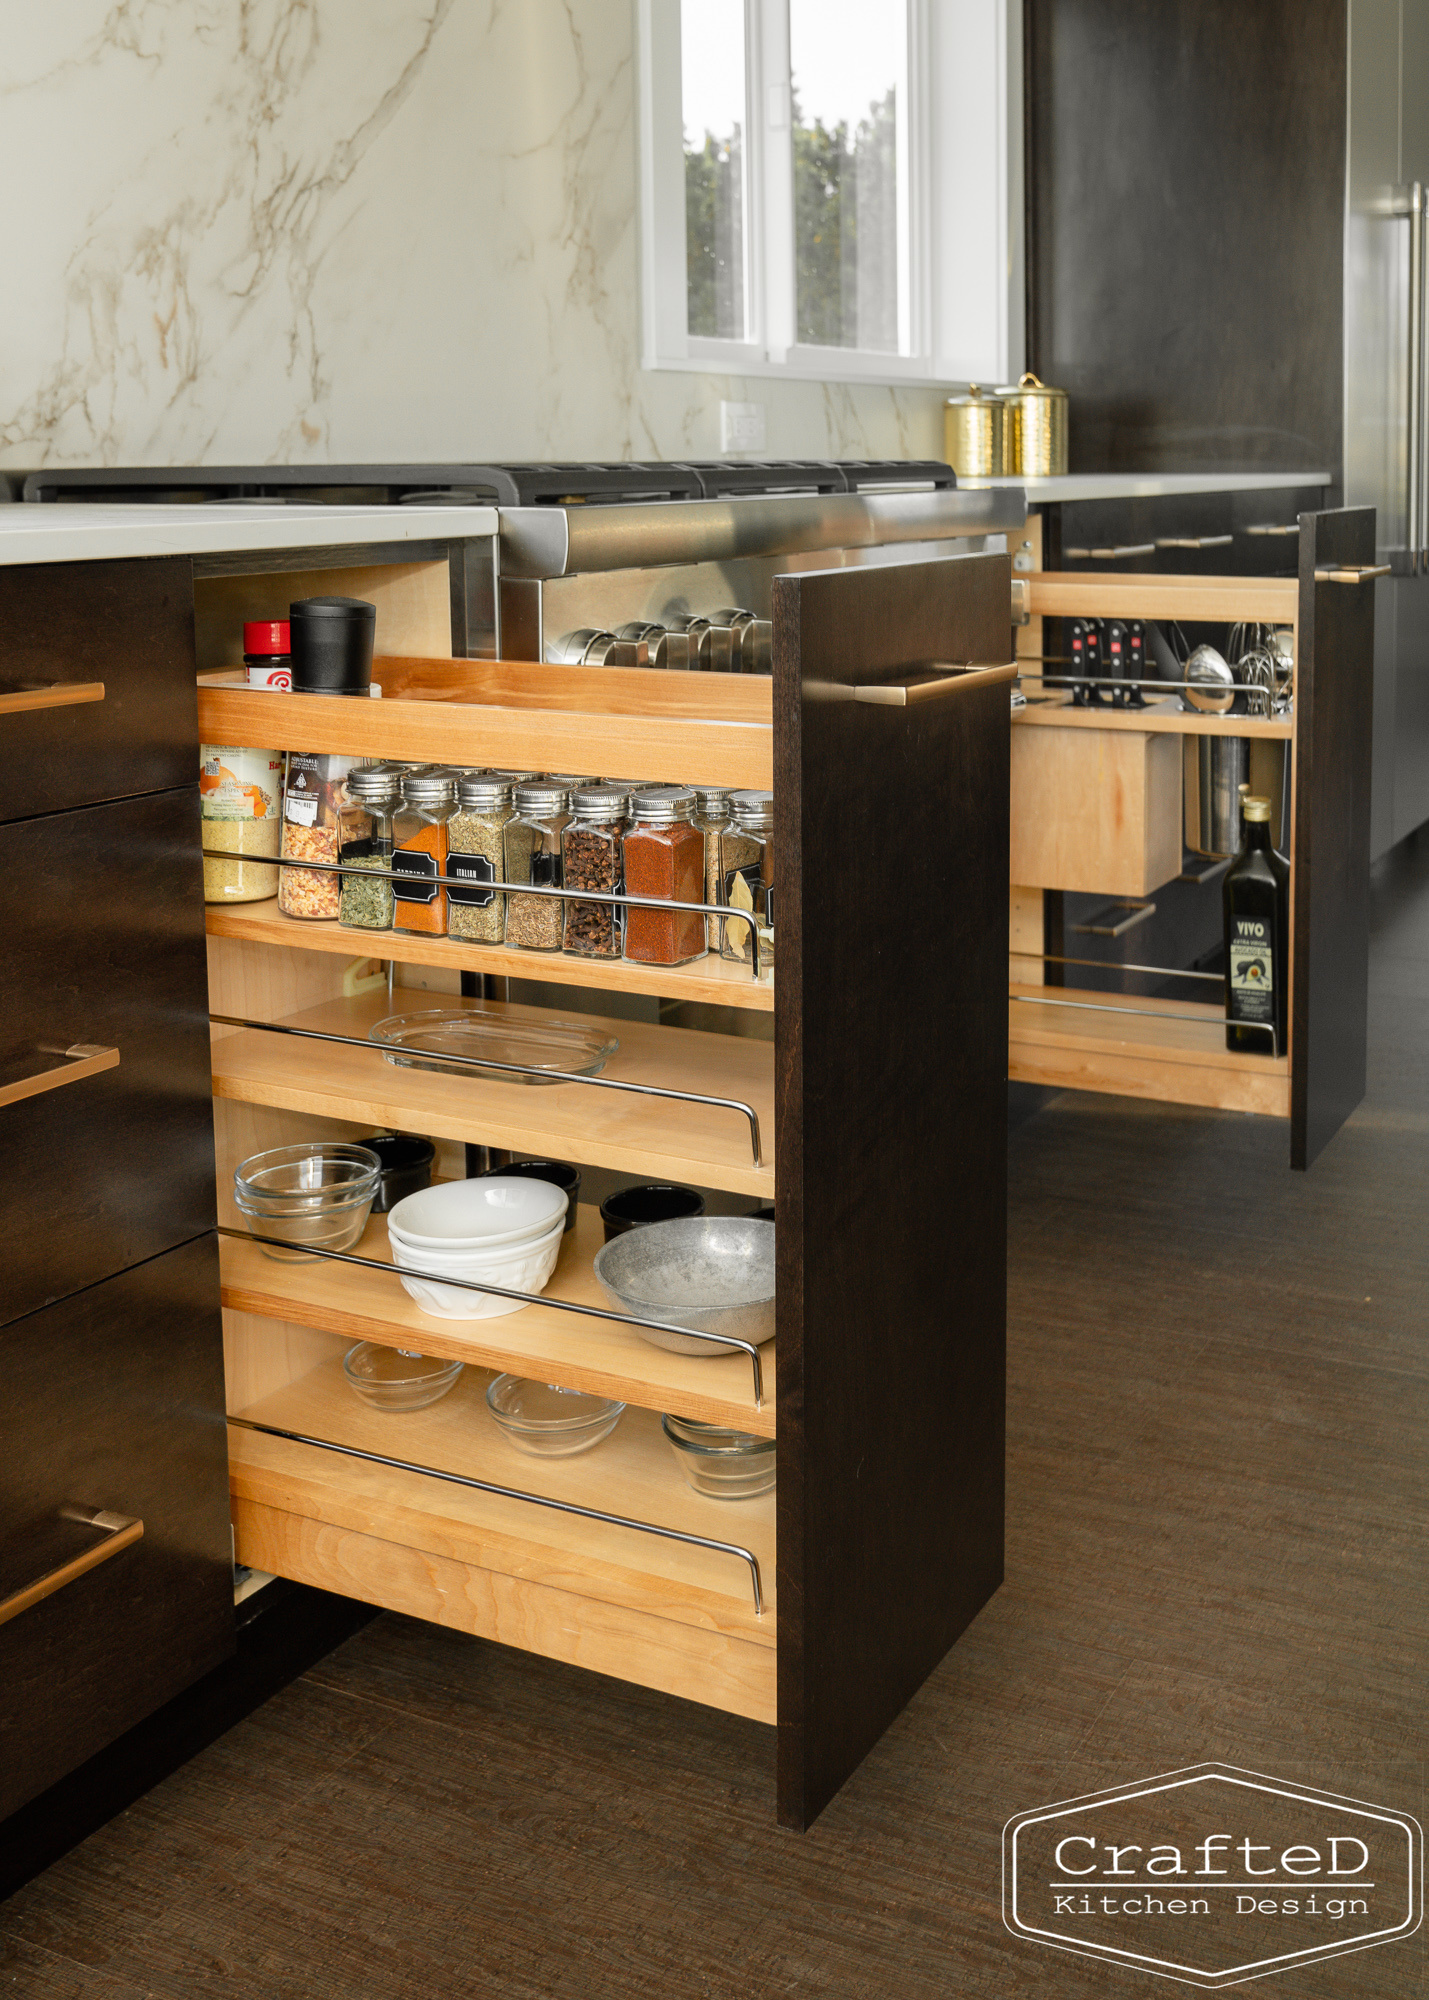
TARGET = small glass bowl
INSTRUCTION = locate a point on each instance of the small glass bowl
(315, 1197)
(718, 1462)
(548, 1421)
(394, 1378)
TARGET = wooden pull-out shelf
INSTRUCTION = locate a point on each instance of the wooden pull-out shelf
(1167, 1049)
(661, 1613)
(597, 1355)
(638, 1135)
(697, 729)
(1162, 714)
(713, 980)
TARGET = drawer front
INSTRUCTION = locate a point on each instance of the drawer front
(102, 913)
(110, 1403)
(125, 625)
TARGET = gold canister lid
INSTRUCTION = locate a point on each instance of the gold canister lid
(1254, 808)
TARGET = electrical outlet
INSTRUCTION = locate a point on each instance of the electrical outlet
(741, 427)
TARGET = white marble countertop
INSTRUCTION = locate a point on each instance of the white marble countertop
(70, 531)
(1149, 485)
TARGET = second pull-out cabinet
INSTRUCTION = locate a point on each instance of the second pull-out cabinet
(874, 1120)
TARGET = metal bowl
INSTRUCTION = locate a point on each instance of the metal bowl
(713, 1273)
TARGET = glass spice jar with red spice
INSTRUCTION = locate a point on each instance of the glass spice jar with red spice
(665, 858)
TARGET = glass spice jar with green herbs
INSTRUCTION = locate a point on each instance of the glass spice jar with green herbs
(364, 840)
(476, 856)
(533, 854)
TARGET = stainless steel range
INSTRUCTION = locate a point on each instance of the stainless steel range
(667, 565)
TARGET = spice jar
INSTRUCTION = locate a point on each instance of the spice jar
(476, 854)
(364, 840)
(533, 854)
(665, 857)
(711, 817)
(747, 878)
(314, 792)
(239, 796)
(266, 654)
(419, 851)
(593, 858)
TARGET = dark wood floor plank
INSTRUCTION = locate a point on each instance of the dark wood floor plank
(1219, 1420)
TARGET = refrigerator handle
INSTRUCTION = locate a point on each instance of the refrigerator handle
(1417, 523)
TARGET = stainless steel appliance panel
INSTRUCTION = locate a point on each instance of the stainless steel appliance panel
(102, 1166)
(130, 628)
(111, 1406)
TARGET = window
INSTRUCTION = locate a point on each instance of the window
(832, 188)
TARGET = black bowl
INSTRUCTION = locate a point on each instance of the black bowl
(651, 1201)
(763, 1214)
(558, 1172)
(406, 1167)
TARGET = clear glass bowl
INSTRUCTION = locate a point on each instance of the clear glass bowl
(548, 1421)
(314, 1197)
(394, 1378)
(718, 1462)
(557, 1049)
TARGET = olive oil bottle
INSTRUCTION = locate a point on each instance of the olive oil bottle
(1255, 899)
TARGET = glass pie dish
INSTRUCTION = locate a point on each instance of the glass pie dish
(553, 1048)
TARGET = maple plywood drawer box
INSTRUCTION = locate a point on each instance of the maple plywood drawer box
(1095, 810)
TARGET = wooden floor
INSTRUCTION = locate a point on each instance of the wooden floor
(1219, 1446)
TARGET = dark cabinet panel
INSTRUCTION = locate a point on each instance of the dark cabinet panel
(110, 1402)
(103, 915)
(891, 1103)
(128, 625)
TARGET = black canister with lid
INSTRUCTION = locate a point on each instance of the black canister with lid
(332, 639)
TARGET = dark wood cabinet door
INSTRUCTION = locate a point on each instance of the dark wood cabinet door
(891, 1105)
(111, 1404)
(126, 625)
(102, 911)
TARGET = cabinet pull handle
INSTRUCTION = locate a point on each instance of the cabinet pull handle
(119, 1531)
(1275, 528)
(1110, 555)
(935, 683)
(1110, 923)
(1194, 541)
(59, 694)
(1352, 573)
(84, 1059)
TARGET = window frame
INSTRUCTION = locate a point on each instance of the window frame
(954, 253)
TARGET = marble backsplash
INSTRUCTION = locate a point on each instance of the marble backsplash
(255, 231)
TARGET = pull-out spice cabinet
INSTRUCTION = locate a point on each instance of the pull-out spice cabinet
(875, 1120)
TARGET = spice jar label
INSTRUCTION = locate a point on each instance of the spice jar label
(301, 807)
(471, 868)
(413, 864)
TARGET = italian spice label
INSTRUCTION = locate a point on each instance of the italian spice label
(476, 869)
(1252, 971)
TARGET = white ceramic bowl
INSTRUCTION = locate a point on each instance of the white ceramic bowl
(467, 1215)
(462, 1260)
(523, 1267)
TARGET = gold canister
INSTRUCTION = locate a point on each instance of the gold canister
(1036, 429)
(974, 435)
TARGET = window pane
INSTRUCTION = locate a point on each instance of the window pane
(848, 60)
(712, 108)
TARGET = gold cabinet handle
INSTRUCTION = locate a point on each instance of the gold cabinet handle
(1194, 541)
(935, 684)
(84, 1059)
(1352, 573)
(59, 694)
(1110, 555)
(119, 1531)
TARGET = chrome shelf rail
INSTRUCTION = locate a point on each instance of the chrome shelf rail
(526, 1298)
(421, 1058)
(508, 888)
(515, 1493)
(1146, 1013)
